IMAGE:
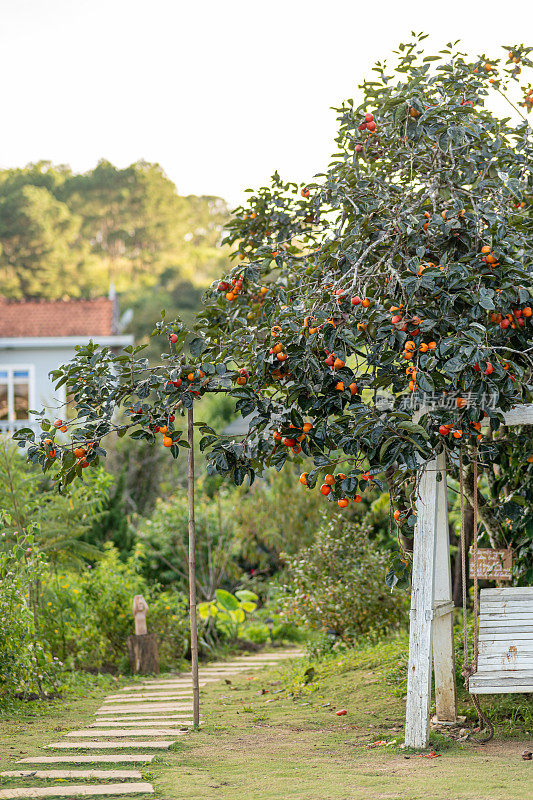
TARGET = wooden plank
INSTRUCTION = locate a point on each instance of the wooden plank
(507, 653)
(522, 646)
(492, 564)
(421, 627)
(507, 602)
(502, 636)
(501, 689)
(489, 603)
(501, 616)
(503, 644)
(512, 592)
(504, 625)
(508, 607)
(443, 644)
(504, 674)
(492, 667)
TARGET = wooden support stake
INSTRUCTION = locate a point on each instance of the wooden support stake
(192, 574)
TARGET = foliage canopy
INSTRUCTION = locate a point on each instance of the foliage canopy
(405, 269)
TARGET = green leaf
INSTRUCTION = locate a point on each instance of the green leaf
(197, 346)
(246, 595)
(227, 600)
(413, 427)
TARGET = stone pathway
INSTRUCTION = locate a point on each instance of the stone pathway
(146, 716)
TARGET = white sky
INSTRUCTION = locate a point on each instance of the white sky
(219, 93)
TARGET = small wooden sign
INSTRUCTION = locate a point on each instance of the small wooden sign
(492, 565)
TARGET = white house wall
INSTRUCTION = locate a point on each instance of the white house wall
(44, 355)
(43, 361)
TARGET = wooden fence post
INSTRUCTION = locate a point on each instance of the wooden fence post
(420, 627)
(443, 646)
(192, 573)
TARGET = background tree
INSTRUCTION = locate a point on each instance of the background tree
(67, 234)
(41, 252)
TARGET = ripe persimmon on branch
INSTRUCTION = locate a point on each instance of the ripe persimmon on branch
(405, 269)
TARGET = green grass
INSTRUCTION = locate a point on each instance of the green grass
(274, 737)
(270, 735)
(27, 727)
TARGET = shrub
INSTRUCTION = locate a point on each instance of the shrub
(25, 664)
(338, 584)
(87, 616)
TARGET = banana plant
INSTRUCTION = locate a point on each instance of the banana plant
(228, 610)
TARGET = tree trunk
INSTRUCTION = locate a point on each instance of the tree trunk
(192, 574)
(144, 654)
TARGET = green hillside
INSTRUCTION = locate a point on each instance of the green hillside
(64, 234)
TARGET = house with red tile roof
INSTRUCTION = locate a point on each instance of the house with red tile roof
(37, 336)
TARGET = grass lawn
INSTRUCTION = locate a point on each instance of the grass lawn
(272, 736)
(27, 727)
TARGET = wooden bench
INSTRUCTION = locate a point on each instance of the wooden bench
(505, 662)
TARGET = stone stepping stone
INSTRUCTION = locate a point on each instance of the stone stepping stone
(126, 732)
(156, 697)
(145, 707)
(60, 758)
(167, 719)
(152, 744)
(65, 774)
(182, 685)
(77, 790)
(170, 722)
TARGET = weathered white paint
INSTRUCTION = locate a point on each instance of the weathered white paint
(499, 626)
(505, 662)
(443, 645)
(421, 628)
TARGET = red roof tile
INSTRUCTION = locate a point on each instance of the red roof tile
(57, 317)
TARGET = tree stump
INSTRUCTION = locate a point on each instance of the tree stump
(144, 654)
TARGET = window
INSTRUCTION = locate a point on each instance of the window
(16, 384)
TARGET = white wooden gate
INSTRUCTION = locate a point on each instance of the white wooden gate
(431, 621)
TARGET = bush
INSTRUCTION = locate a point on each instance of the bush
(88, 616)
(338, 584)
(26, 666)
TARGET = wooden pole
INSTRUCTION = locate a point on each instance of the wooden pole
(192, 574)
(443, 650)
(421, 628)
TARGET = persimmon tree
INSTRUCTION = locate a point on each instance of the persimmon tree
(398, 280)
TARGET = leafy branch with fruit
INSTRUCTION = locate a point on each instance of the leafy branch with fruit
(404, 270)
